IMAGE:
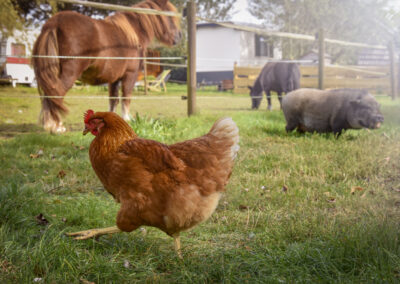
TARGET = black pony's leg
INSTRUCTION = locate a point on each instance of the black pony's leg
(128, 82)
(269, 99)
(280, 98)
(113, 94)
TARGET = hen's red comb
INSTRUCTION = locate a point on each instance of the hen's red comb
(88, 114)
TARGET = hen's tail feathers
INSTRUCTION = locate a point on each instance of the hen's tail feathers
(228, 132)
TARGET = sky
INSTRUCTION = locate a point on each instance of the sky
(241, 14)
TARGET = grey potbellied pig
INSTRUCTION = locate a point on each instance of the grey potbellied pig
(330, 111)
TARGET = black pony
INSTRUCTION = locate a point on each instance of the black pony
(275, 76)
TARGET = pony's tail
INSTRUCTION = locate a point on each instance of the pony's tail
(47, 71)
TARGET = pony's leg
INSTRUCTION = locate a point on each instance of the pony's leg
(70, 72)
(128, 82)
(280, 98)
(269, 99)
(113, 94)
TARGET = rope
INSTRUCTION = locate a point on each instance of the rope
(357, 70)
(91, 57)
(252, 60)
(237, 96)
(122, 8)
(150, 58)
(112, 98)
(290, 35)
(166, 64)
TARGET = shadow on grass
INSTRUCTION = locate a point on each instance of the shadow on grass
(11, 130)
(230, 109)
(327, 136)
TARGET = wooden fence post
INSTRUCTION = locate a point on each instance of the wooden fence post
(234, 77)
(145, 75)
(321, 58)
(393, 76)
(191, 68)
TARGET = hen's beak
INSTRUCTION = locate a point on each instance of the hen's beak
(85, 131)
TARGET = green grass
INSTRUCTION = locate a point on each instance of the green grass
(288, 214)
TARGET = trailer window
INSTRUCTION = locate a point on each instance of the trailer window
(264, 46)
(17, 49)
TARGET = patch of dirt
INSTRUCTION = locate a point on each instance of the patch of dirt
(6, 267)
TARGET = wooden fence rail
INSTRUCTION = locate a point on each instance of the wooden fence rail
(374, 78)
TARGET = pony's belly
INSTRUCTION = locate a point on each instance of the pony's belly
(92, 76)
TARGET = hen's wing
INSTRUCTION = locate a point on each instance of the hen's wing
(143, 174)
(198, 153)
(154, 156)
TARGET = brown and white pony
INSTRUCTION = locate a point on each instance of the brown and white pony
(124, 34)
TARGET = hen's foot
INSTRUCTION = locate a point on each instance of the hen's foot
(83, 235)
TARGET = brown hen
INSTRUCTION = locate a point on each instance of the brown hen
(170, 187)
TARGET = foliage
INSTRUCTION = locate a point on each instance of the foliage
(38, 11)
(214, 9)
(290, 213)
(9, 19)
(351, 20)
(151, 128)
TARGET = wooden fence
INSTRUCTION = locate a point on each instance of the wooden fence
(374, 78)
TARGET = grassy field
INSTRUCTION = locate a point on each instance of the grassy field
(299, 208)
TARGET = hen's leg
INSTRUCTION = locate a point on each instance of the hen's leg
(125, 223)
(83, 235)
(177, 242)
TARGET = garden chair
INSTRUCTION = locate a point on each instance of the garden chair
(158, 84)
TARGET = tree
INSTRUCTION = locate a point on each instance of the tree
(349, 20)
(215, 9)
(38, 11)
(9, 18)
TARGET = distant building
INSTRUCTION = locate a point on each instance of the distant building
(15, 64)
(218, 48)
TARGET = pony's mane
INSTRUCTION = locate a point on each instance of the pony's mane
(120, 21)
(141, 28)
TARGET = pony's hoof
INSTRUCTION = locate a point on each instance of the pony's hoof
(127, 117)
(54, 128)
(60, 129)
(57, 129)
